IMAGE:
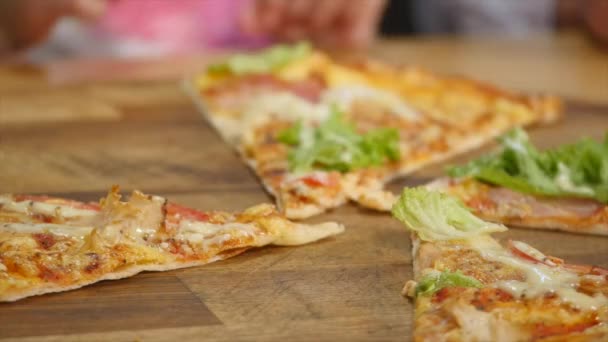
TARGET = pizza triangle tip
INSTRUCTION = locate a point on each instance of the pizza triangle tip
(85, 243)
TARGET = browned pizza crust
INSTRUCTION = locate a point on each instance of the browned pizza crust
(125, 273)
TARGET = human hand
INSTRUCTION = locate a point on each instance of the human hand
(596, 19)
(344, 23)
(589, 14)
(26, 22)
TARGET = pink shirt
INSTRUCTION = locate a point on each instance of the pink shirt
(148, 28)
(179, 25)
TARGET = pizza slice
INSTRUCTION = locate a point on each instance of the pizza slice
(320, 132)
(470, 287)
(52, 245)
(564, 188)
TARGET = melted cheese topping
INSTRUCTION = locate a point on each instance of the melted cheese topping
(41, 228)
(275, 231)
(345, 96)
(338, 75)
(132, 221)
(301, 68)
(478, 325)
(282, 105)
(540, 279)
(208, 234)
(50, 209)
(287, 106)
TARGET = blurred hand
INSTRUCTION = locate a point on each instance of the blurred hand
(596, 18)
(26, 22)
(344, 23)
(590, 14)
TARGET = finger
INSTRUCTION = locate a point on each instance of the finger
(299, 11)
(327, 12)
(596, 18)
(87, 9)
(271, 14)
(295, 23)
(33, 20)
(361, 22)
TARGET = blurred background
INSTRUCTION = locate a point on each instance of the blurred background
(50, 30)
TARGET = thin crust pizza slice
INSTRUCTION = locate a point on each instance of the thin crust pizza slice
(320, 132)
(52, 245)
(470, 287)
(564, 188)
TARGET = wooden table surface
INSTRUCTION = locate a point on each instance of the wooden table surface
(75, 128)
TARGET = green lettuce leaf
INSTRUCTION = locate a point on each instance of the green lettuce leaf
(262, 62)
(432, 283)
(291, 135)
(438, 216)
(336, 145)
(579, 169)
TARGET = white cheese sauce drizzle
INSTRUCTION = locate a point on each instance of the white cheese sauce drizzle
(208, 234)
(42, 228)
(540, 279)
(31, 207)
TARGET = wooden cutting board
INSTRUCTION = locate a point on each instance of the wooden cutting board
(344, 288)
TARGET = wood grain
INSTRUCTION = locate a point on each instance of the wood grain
(345, 288)
(146, 301)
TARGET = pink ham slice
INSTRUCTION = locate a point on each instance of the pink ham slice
(517, 204)
(249, 86)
